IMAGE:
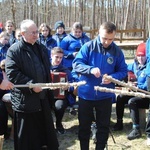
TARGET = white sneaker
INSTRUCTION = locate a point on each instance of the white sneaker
(148, 141)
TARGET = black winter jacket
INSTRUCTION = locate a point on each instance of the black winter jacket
(21, 68)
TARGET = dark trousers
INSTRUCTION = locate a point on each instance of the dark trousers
(134, 104)
(3, 118)
(148, 124)
(85, 116)
(59, 109)
(34, 130)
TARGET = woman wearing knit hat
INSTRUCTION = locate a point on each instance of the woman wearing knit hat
(138, 67)
(60, 32)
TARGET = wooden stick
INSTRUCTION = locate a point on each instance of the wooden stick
(51, 85)
(122, 92)
(130, 86)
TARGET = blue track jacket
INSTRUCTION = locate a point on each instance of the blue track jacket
(110, 61)
(140, 73)
(59, 37)
(49, 42)
(71, 44)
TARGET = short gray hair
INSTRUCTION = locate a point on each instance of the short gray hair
(25, 24)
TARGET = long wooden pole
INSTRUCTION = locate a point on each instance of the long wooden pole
(51, 85)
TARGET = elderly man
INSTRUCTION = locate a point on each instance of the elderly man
(95, 59)
(27, 62)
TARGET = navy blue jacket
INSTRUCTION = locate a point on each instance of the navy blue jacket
(59, 37)
(49, 42)
(12, 39)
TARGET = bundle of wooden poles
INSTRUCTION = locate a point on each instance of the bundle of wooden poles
(130, 89)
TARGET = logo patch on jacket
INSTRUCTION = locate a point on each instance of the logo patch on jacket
(110, 60)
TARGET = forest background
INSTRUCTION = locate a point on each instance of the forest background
(126, 14)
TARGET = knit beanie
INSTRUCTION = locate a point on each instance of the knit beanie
(141, 50)
(59, 24)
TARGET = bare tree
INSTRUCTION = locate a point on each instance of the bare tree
(93, 14)
(148, 18)
(13, 10)
(126, 14)
(81, 11)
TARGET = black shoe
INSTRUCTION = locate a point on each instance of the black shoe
(118, 126)
(135, 133)
(72, 111)
(60, 129)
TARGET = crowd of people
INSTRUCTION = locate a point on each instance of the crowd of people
(33, 55)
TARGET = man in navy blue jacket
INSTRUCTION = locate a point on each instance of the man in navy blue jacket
(96, 58)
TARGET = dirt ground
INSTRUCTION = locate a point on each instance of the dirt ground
(69, 141)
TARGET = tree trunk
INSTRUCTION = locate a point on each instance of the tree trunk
(93, 14)
(81, 11)
(13, 10)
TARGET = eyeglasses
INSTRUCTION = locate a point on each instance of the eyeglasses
(34, 32)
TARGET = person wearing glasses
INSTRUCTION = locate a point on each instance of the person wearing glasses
(27, 62)
(72, 43)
